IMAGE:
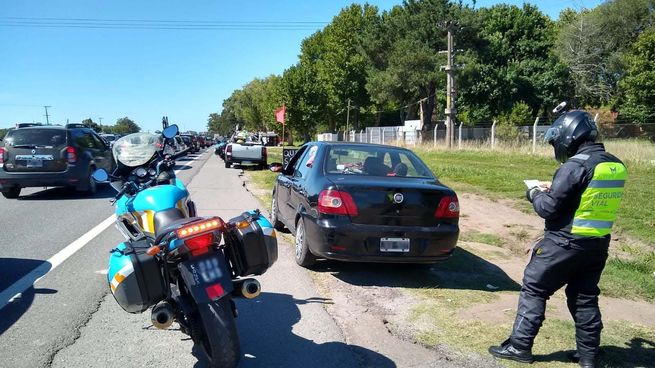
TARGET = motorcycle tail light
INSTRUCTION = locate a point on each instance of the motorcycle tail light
(200, 227)
(448, 207)
(199, 244)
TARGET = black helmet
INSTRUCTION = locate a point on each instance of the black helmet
(569, 131)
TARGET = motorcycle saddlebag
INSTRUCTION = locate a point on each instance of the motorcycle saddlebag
(251, 244)
(135, 278)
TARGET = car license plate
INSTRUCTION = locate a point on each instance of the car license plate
(34, 163)
(246, 162)
(394, 245)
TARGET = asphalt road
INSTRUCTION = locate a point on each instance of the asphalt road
(68, 319)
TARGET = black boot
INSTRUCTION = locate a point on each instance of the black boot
(507, 351)
(587, 362)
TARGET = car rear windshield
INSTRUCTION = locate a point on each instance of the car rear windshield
(36, 137)
(375, 161)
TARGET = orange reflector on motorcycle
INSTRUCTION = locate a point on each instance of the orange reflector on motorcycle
(200, 227)
(152, 251)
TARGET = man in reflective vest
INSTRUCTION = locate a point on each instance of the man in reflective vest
(579, 209)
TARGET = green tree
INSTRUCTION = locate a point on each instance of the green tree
(639, 83)
(88, 122)
(125, 126)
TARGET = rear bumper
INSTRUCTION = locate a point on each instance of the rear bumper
(245, 161)
(345, 241)
(75, 175)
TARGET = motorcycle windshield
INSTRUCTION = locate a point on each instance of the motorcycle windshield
(136, 149)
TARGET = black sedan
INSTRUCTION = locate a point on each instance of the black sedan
(364, 203)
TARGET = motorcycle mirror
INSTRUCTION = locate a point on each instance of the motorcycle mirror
(559, 107)
(275, 167)
(170, 131)
(100, 175)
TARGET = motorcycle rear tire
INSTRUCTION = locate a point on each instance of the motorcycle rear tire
(220, 341)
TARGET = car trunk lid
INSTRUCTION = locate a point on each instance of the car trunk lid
(394, 201)
(36, 150)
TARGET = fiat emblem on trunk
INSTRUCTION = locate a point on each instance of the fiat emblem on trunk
(398, 198)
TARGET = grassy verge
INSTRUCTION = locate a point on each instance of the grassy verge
(500, 175)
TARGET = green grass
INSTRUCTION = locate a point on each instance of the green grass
(498, 174)
(478, 237)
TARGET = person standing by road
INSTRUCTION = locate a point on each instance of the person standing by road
(579, 208)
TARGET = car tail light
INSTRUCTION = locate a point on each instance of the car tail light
(448, 207)
(2, 155)
(335, 202)
(264, 155)
(71, 155)
(228, 150)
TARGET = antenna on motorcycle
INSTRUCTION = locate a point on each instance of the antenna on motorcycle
(560, 108)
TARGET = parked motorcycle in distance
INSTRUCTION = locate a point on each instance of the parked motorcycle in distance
(186, 268)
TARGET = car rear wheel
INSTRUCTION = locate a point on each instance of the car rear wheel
(227, 165)
(304, 257)
(12, 193)
(277, 224)
(91, 187)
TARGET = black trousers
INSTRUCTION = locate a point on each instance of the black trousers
(557, 262)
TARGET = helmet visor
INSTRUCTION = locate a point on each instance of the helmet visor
(552, 134)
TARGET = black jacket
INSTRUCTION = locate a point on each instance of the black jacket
(558, 205)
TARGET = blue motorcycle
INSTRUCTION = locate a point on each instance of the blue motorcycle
(185, 268)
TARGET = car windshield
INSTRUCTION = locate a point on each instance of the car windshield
(36, 137)
(375, 161)
(136, 149)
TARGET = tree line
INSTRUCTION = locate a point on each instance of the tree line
(122, 126)
(372, 68)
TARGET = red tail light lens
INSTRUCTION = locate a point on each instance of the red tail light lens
(2, 155)
(448, 207)
(199, 244)
(71, 155)
(228, 150)
(335, 202)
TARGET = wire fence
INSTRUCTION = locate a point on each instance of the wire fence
(491, 134)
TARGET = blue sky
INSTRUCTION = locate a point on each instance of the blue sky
(147, 73)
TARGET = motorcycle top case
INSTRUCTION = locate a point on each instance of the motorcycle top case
(135, 278)
(251, 244)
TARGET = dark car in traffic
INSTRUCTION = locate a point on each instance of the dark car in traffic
(365, 203)
(52, 156)
(192, 142)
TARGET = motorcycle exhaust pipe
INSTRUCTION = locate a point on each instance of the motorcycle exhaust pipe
(247, 288)
(162, 315)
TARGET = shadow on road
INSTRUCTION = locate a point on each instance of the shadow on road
(12, 270)
(182, 167)
(266, 327)
(63, 193)
(638, 352)
(464, 270)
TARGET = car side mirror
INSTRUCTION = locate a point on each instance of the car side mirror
(276, 167)
(101, 176)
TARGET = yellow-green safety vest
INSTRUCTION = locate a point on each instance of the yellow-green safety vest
(600, 201)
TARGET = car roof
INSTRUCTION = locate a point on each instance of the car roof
(357, 144)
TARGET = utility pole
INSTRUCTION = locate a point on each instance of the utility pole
(347, 120)
(100, 123)
(451, 110)
(47, 117)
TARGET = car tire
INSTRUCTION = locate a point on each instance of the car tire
(12, 193)
(277, 224)
(304, 257)
(227, 164)
(91, 187)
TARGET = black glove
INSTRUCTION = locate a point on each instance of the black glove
(530, 193)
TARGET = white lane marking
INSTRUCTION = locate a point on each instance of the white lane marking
(40, 272)
(29, 280)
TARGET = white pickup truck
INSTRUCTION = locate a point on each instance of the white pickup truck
(248, 153)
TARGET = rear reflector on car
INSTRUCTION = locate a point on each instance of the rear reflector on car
(335, 202)
(228, 150)
(71, 155)
(448, 207)
(2, 155)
